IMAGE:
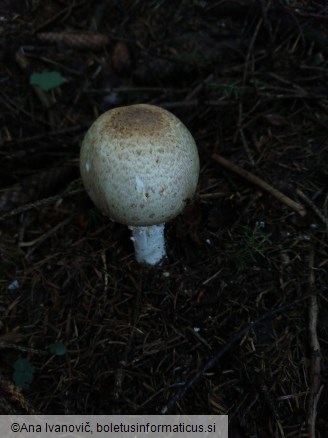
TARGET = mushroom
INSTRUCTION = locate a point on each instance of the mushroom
(139, 165)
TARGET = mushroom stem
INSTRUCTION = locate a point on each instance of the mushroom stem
(149, 245)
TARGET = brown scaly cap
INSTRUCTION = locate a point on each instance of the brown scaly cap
(139, 164)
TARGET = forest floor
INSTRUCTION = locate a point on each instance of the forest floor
(236, 320)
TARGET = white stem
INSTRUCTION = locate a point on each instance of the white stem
(149, 245)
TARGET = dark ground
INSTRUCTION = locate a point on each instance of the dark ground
(107, 336)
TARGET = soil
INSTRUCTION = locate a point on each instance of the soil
(235, 320)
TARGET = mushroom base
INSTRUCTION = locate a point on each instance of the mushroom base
(149, 245)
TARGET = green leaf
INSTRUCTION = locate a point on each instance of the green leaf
(58, 348)
(23, 374)
(47, 80)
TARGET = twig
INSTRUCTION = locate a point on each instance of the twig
(266, 20)
(45, 236)
(260, 183)
(180, 104)
(243, 138)
(120, 373)
(4, 345)
(213, 195)
(77, 40)
(315, 389)
(41, 203)
(198, 89)
(325, 210)
(63, 12)
(49, 134)
(231, 341)
(313, 206)
(240, 106)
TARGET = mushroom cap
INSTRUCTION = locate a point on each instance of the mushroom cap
(139, 164)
